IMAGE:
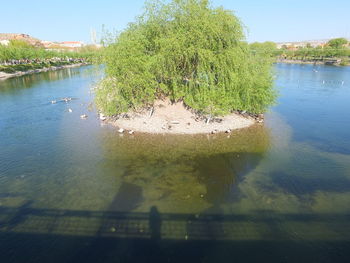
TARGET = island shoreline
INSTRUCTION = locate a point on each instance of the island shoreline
(166, 118)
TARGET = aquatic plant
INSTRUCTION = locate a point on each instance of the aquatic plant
(188, 51)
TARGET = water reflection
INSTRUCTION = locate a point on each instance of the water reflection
(32, 80)
(185, 174)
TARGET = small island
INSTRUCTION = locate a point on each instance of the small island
(184, 67)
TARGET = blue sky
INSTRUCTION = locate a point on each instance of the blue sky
(276, 20)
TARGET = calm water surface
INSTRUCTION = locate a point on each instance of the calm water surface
(72, 190)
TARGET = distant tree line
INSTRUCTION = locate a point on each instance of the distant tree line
(335, 48)
(22, 52)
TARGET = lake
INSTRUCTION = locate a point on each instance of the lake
(74, 190)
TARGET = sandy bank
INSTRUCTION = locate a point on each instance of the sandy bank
(168, 118)
(4, 75)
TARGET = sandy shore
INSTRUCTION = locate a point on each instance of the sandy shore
(168, 118)
(4, 75)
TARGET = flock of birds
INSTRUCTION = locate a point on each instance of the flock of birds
(84, 116)
(324, 82)
(66, 100)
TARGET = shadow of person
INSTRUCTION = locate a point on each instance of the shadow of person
(155, 223)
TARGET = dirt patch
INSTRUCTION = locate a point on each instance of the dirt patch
(175, 118)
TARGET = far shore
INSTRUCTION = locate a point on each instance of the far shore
(4, 75)
(309, 62)
(174, 118)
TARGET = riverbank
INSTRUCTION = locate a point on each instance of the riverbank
(174, 118)
(4, 75)
(314, 62)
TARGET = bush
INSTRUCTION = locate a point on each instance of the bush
(185, 50)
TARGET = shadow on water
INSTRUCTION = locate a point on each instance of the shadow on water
(183, 174)
(128, 198)
(222, 173)
(155, 223)
(48, 235)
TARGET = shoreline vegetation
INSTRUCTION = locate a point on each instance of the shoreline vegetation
(19, 58)
(333, 61)
(29, 69)
(334, 52)
(184, 67)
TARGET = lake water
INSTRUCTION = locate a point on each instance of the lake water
(75, 190)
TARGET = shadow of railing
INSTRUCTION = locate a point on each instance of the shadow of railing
(260, 225)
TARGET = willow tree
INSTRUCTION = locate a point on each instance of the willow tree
(187, 51)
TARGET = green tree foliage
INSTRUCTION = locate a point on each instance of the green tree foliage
(316, 53)
(18, 49)
(267, 48)
(337, 42)
(185, 50)
(14, 43)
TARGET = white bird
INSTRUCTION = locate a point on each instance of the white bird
(70, 110)
(53, 102)
(83, 117)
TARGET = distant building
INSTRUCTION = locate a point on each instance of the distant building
(72, 44)
(302, 44)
